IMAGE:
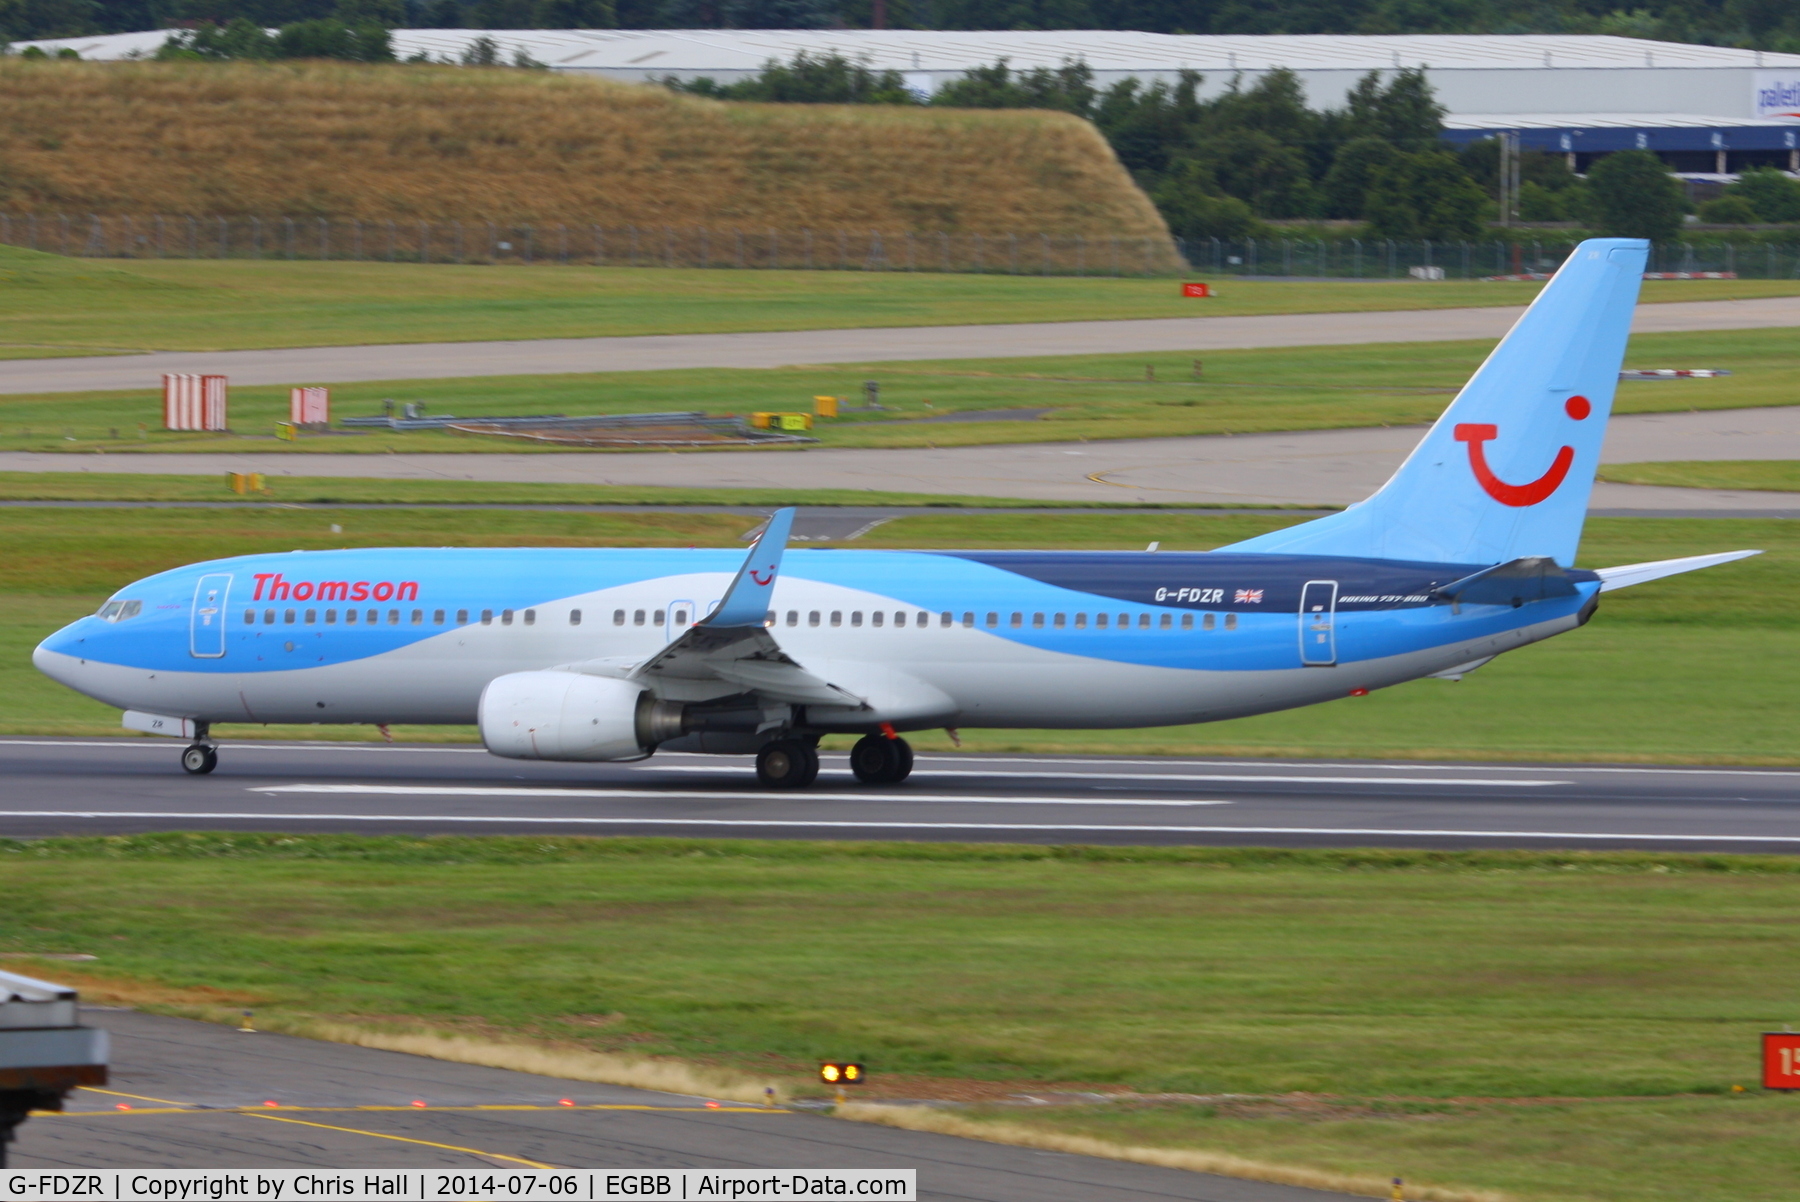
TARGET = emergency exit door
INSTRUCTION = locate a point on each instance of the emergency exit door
(206, 625)
(1318, 623)
(680, 617)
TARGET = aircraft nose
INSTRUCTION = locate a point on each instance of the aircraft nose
(51, 655)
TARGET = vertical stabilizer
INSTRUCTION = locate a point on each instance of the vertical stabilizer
(1507, 470)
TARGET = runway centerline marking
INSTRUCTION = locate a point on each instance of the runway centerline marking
(660, 794)
(842, 824)
(1209, 777)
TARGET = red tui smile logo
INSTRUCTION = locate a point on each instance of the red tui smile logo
(761, 578)
(1518, 495)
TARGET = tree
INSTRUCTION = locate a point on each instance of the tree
(1728, 210)
(1769, 193)
(1634, 196)
(1345, 189)
(366, 43)
(1068, 88)
(809, 79)
(1256, 168)
(1189, 201)
(1405, 113)
(1425, 195)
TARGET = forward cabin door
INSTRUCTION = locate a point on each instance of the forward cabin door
(1318, 623)
(206, 624)
(680, 617)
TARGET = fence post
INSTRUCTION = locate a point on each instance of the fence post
(911, 253)
(529, 233)
(599, 245)
(224, 238)
(1012, 243)
(739, 234)
(774, 248)
(424, 241)
(809, 247)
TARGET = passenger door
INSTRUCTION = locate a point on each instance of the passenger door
(680, 616)
(206, 625)
(1318, 632)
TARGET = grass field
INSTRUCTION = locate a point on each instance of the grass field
(1774, 475)
(537, 147)
(1695, 669)
(1065, 399)
(50, 305)
(1555, 1026)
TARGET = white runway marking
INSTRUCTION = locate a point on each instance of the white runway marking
(829, 824)
(663, 794)
(1211, 777)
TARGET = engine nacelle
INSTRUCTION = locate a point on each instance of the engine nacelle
(554, 715)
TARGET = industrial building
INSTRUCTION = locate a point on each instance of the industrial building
(1706, 110)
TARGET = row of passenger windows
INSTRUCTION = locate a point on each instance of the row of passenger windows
(393, 617)
(900, 618)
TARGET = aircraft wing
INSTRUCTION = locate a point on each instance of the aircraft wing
(733, 643)
(1637, 573)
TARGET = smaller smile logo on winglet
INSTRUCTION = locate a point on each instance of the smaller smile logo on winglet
(1518, 495)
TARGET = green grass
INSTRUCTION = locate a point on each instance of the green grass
(1774, 475)
(1557, 1025)
(81, 306)
(1087, 397)
(1696, 668)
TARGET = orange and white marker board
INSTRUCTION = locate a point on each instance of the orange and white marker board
(1781, 1059)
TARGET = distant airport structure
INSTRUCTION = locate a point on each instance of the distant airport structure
(1704, 110)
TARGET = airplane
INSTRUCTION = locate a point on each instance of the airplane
(610, 654)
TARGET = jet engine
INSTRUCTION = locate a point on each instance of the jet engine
(553, 715)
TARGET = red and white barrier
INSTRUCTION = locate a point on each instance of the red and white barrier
(310, 406)
(193, 402)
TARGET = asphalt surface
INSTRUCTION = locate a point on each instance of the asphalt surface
(191, 1095)
(1297, 467)
(434, 361)
(99, 786)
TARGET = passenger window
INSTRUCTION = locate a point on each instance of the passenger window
(812, 619)
(837, 617)
(487, 617)
(637, 618)
(268, 617)
(312, 617)
(924, 619)
(437, 617)
(1167, 621)
(770, 618)
(1206, 622)
(331, 617)
(1018, 620)
(618, 617)
(506, 617)
(968, 619)
(1099, 621)
(875, 618)
(1143, 621)
(393, 617)
(1081, 621)
(349, 617)
(418, 617)
(1124, 621)
(462, 617)
(681, 617)
(1059, 621)
(575, 617)
(373, 616)
(1037, 621)
(531, 617)
(856, 618)
(899, 618)
(794, 618)
(287, 615)
(1231, 621)
(993, 619)
(1187, 621)
(249, 617)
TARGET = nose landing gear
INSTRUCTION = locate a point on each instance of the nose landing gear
(199, 759)
(880, 760)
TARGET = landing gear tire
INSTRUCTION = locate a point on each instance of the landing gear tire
(199, 759)
(879, 760)
(787, 764)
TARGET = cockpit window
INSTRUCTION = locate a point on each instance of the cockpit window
(118, 611)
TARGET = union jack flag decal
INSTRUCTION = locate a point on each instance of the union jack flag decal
(1247, 596)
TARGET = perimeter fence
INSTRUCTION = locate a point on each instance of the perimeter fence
(321, 238)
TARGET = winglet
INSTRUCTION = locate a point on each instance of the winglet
(746, 602)
(1637, 573)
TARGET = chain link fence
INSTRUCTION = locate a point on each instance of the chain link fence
(318, 238)
(186, 237)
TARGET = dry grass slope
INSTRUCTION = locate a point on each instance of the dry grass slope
(444, 144)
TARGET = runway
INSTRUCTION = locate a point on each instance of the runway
(448, 360)
(98, 786)
(191, 1095)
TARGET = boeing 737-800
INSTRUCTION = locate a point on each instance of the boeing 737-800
(611, 654)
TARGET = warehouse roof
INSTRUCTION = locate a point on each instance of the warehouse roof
(700, 50)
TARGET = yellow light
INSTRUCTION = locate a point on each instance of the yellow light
(829, 1073)
(852, 1072)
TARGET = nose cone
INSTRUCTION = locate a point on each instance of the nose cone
(58, 655)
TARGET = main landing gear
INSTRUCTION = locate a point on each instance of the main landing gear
(200, 757)
(787, 764)
(881, 759)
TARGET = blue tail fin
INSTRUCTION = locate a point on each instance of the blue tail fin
(1507, 469)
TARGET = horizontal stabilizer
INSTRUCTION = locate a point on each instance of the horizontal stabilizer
(1637, 573)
